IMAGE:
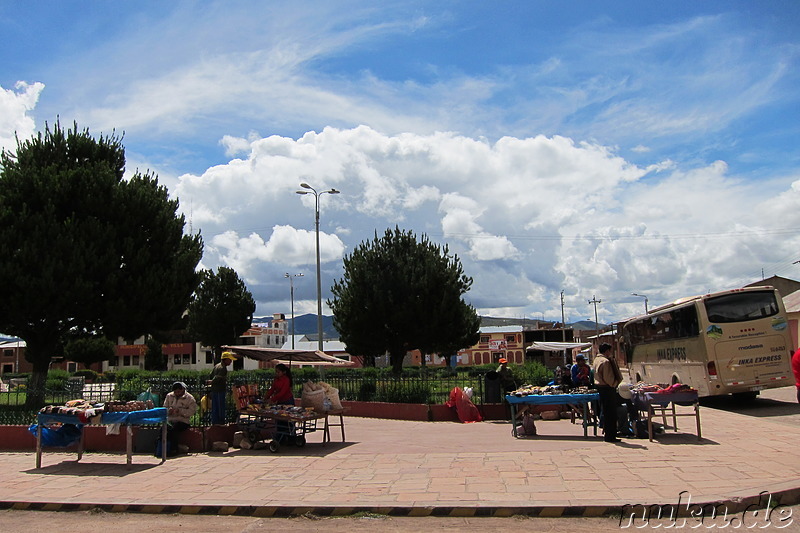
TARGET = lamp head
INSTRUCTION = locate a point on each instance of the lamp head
(302, 192)
(306, 185)
(333, 191)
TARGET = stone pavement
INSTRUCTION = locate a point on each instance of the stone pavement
(438, 468)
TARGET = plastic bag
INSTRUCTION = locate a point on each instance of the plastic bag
(205, 403)
(60, 437)
(148, 396)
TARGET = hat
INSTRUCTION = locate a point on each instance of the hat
(229, 355)
(503, 360)
(624, 390)
(580, 357)
(179, 385)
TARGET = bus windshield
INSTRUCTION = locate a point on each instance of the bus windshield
(741, 307)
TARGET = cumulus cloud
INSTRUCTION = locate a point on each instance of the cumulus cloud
(15, 108)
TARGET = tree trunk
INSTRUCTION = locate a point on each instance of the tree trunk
(396, 358)
(35, 396)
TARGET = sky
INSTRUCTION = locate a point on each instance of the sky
(594, 149)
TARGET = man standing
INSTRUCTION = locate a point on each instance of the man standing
(606, 378)
(219, 386)
(796, 370)
(507, 381)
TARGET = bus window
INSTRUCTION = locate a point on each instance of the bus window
(741, 307)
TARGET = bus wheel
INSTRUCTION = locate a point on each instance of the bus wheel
(675, 379)
(745, 397)
(638, 377)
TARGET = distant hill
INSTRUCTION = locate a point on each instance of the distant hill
(538, 324)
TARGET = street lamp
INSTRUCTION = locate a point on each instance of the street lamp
(319, 284)
(645, 300)
(595, 301)
(291, 295)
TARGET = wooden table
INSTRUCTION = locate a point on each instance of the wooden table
(663, 405)
(126, 418)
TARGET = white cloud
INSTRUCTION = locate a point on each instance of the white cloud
(15, 108)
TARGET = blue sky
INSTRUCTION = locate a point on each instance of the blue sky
(599, 148)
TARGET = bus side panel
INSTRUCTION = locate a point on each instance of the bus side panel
(753, 363)
(678, 361)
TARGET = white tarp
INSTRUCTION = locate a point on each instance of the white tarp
(557, 346)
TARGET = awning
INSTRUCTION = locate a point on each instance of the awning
(297, 356)
(557, 346)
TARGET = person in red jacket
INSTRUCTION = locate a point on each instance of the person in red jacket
(280, 393)
(796, 370)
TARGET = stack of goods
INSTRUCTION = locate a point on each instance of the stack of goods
(532, 390)
(320, 396)
(126, 407)
(289, 411)
(643, 387)
(86, 412)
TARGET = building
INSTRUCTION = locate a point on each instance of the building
(494, 343)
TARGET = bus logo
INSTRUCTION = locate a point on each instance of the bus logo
(714, 331)
(779, 323)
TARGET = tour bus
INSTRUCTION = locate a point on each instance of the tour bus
(735, 341)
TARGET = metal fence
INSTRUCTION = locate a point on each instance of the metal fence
(424, 387)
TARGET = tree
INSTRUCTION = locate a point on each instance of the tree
(89, 350)
(398, 294)
(154, 358)
(86, 252)
(221, 309)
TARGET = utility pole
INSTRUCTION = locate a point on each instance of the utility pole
(563, 326)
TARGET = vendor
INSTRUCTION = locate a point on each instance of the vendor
(581, 372)
(280, 393)
(181, 406)
(506, 376)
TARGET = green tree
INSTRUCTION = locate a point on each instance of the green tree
(154, 358)
(221, 309)
(398, 294)
(89, 350)
(85, 251)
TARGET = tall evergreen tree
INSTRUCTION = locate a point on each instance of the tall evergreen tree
(400, 294)
(221, 309)
(85, 251)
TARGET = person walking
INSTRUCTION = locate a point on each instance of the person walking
(606, 378)
(219, 387)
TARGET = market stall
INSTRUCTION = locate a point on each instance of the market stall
(656, 402)
(48, 420)
(576, 402)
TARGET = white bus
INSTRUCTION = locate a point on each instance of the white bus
(734, 341)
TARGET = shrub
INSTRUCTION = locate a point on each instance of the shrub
(86, 373)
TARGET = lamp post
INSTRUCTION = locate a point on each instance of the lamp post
(595, 301)
(645, 300)
(291, 295)
(312, 190)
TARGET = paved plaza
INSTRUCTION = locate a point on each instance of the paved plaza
(406, 468)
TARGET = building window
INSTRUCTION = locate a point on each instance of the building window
(135, 360)
(209, 358)
(126, 360)
(72, 367)
(186, 359)
(8, 368)
(176, 359)
(511, 338)
(484, 339)
(8, 353)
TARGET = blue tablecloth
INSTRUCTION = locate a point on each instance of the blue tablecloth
(148, 416)
(554, 399)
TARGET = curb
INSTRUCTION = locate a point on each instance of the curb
(765, 500)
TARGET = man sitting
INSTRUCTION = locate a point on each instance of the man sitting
(181, 406)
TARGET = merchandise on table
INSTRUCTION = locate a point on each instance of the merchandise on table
(643, 387)
(532, 390)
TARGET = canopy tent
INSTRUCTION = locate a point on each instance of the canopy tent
(557, 346)
(314, 357)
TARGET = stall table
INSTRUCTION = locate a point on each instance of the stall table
(295, 427)
(576, 402)
(126, 418)
(655, 404)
